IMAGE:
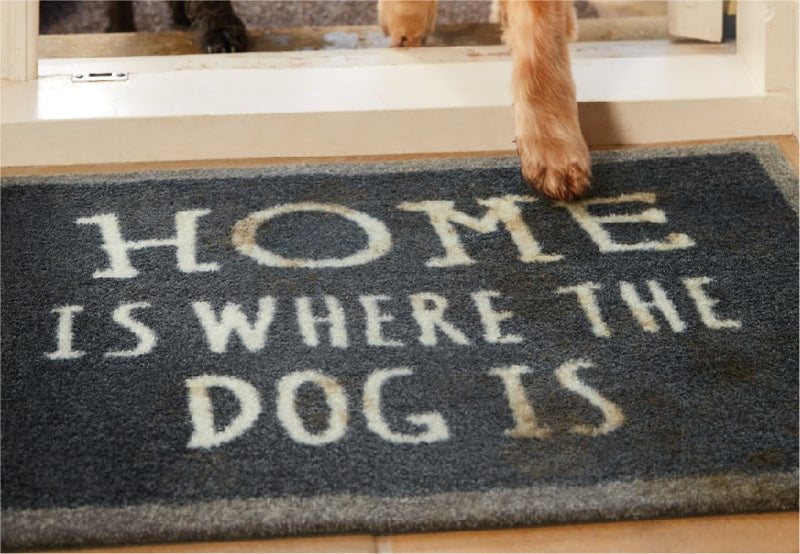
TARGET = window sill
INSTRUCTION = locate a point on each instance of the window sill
(369, 103)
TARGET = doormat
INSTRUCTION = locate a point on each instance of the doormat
(410, 346)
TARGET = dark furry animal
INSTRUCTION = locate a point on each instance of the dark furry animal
(216, 25)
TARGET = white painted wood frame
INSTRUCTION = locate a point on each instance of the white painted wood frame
(386, 102)
(698, 19)
(19, 31)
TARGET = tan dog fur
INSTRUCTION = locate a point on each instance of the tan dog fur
(407, 22)
(552, 150)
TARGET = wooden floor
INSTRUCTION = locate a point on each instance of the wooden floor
(771, 532)
(743, 533)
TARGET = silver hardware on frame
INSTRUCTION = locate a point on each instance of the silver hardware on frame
(80, 77)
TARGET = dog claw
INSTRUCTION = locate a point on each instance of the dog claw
(570, 183)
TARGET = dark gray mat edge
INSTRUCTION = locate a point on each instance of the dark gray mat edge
(772, 159)
(241, 519)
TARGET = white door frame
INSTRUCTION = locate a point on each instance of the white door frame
(698, 19)
(19, 32)
(385, 102)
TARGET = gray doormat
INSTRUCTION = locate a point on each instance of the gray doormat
(207, 355)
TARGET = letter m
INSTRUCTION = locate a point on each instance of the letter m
(443, 217)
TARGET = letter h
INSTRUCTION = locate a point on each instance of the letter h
(117, 248)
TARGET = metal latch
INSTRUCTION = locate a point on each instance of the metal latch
(105, 76)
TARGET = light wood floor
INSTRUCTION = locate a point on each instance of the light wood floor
(742, 533)
(771, 532)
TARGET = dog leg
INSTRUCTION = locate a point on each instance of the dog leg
(217, 26)
(407, 22)
(552, 150)
(178, 12)
(120, 17)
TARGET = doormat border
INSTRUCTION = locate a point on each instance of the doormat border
(773, 161)
(240, 519)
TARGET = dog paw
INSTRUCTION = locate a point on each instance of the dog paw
(558, 173)
(222, 35)
(407, 22)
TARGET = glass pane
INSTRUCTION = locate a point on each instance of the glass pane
(310, 25)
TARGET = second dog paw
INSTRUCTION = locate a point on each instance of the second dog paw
(407, 22)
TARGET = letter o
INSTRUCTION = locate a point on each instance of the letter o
(244, 236)
(334, 396)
